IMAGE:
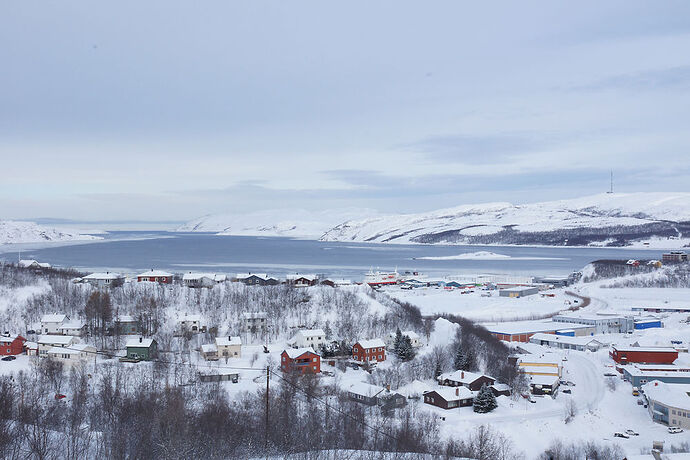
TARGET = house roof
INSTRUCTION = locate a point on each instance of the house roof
(550, 380)
(139, 342)
(411, 334)
(29, 262)
(454, 394)
(228, 341)
(73, 349)
(209, 348)
(60, 339)
(294, 353)
(155, 273)
(311, 333)
(580, 341)
(462, 376)
(103, 276)
(192, 318)
(31, 345)
(73, 324)
(11, 338)
(254, 314)
(369, 391)
(550, 370)
(217, 277)
(263, 276)
(372, 343)
(124, 319)
(529, 327)
(645, 349)
(674, 395)
(53, 318)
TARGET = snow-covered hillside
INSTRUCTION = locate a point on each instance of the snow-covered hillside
(30, 232)
(277, 222)
(604, 219)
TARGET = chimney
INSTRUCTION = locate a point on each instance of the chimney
(388, 387)
(457, 391)
(141, 339)
(229, 338)
(462, 374)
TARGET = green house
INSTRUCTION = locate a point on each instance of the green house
(141, 349)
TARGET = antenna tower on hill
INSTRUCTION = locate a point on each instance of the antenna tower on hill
(611, 190)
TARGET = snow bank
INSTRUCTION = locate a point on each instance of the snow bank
(12, 232)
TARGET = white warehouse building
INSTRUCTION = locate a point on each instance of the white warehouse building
(602, 324)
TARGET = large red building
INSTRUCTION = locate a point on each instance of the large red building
(369, 350)
(646, 355)
(12, 345)
(302, 360)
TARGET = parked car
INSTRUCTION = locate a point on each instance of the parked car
(609, 374)
(631, 433)
(674, 429)
(640, 402)
(9, 358)
(618, 434)
(30, 331)
(567, 391)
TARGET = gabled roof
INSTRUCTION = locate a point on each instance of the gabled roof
(254, 314)
(73, 349)
(11, 338)
(312, 333)
(369, 391)
(52, 339)
(449, 394)
(103, 276)
(297, 276)
(372, 343)
(191, 318)
(294, 353)
(124, 319)
(544, 379)
(53, 318)
(155, 273)
(244, 276)
(228, 341)
(462, 376)
(209, 348)
(216, 277)
(73, 324)
(139, 342)
(581, 341)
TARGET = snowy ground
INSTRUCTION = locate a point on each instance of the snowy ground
(480, 305)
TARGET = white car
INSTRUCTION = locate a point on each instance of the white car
(674, 430)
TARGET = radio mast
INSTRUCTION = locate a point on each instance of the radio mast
(611, 190)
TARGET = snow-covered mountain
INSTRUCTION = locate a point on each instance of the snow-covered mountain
(659, 219)
(278, 222)
(29, 232)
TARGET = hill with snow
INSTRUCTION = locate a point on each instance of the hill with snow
(12, 232)
(280, 222)
(655, 219)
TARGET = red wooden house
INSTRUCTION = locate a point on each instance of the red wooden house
(369, 350)
(156, 276)
(647, 355)
(12, 345)
(302, 360)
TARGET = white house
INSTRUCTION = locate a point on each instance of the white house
(209, 351)
(199, 280)
(50, 324)
(30, 263)
(79, 352)
(107, 279)
(414, 339)
(46, 342)
(566, 342)
(254, 321)
(72, 327)
(308, 338)
(192, 323)
(229, 347)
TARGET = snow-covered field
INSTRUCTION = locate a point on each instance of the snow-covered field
(485, 255)
(480, 305)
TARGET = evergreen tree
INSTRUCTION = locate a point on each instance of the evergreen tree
(460, 361)
(405, 352)
(485, 400)
(397, 342)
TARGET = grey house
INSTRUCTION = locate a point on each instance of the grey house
(373, 395)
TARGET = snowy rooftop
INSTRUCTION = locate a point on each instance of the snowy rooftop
(103, 276)
(312, 333)
(242, 276)
(454, 394)
(528, 327)
(564, 339)
(11, 338)
(228, 341)
(198, 276)
(54, 318)
(297, 276)
(646, 349)
(155, 273)
(73, 349)
(139, 342)
(373, 343)
(190, 318)
(365, 389)
(544, 379)
(674, 395)
(209, 348)
(461, 376)
(60, 339)
(297, 352)
(73, 324)
(124, 319)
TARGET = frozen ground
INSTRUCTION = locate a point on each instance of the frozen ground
(480, 305)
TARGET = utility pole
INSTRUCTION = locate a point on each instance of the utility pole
(268, 378)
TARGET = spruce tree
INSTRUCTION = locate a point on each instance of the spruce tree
(485, 400)
(397, 342)
(460, 359)
(405, 352)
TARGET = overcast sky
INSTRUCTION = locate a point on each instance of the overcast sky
(172, 110)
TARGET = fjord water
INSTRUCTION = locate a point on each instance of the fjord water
(130, 252)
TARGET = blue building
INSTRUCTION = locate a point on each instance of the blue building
(647, 323)
(664, 373)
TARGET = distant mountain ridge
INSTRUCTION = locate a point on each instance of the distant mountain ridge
(654, 219)
(12, 231)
